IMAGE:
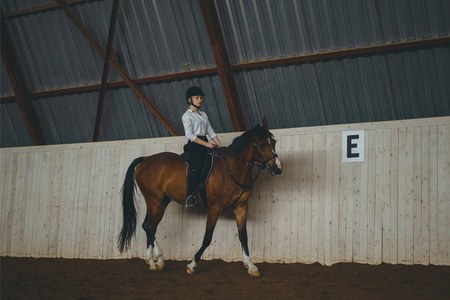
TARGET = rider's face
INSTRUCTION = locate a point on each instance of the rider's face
(197, 100)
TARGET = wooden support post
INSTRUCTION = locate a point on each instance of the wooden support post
(224, 68)
(101, 100)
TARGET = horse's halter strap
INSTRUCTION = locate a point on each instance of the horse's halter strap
(262, 163)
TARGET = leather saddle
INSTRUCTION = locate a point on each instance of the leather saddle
(218, 152)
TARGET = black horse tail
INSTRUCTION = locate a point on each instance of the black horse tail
(129, 210)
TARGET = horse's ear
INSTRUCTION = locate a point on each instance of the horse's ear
(265, 124)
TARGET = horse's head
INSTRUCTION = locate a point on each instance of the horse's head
(264, 147)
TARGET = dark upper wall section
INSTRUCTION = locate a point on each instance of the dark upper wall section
(163, 37)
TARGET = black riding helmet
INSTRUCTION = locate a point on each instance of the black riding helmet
(193, 91)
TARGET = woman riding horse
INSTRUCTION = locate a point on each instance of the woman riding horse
(196, 126)
(161, 178)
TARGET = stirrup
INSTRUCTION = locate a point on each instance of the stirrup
(191, 201)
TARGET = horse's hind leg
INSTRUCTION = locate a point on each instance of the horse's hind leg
(150, 225)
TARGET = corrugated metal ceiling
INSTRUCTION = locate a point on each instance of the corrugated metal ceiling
(163, 37)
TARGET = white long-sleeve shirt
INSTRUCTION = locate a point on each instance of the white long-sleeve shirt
(196, 125)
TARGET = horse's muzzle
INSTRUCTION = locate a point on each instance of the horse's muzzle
(276, 168)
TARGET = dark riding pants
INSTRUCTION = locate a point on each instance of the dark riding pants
(197, 154)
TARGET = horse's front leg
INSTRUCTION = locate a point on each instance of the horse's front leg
(240, 213)
(213, 216)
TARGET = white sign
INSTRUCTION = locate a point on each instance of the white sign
(353, 146)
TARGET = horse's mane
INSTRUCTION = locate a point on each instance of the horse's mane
(242, 141)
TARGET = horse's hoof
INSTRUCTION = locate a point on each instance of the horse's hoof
(191, 269)
(160, 267)
(254, 272)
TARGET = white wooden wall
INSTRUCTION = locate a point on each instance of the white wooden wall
(64, 200)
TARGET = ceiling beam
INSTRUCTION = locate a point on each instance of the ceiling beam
(352, 52)
(21, 92)
(383, 48)
(101, 100)
(223, 64)
(41, 8)
(118, 69)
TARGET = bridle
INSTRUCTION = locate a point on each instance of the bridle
(261, 164)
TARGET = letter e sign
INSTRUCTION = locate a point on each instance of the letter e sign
(353, 146)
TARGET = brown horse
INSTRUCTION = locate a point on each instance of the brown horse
(162, 179)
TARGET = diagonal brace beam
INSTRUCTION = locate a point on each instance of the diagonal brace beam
(20, 89)
(119, 70)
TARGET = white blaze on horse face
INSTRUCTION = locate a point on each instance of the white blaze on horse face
(277, 161)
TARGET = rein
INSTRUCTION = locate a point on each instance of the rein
(262, 164)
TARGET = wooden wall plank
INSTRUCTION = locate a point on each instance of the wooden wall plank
(434, 194)
(335, 207)
(18, 217)
(425, 197)
(81, 210)
(283, 199)
(12, 204)
(95, 204)
(364, 193)
(379, 193)
(409, 205)
(343, 216)
(386, 196)
(294, 164)
(55, 201)
(8, 195)
(306, 165)
(443, 225)
(3, 187)
(402, 188)
(105, 204)
(417, 196)
(65, 237)
(22, 244)
(371, 196)
(357, 247)
(392, 255)
(318, 196)
(40, 190)
(43, 197)
(31, 206)
(327, 222)
(113, 194)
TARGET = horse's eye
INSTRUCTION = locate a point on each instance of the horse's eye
(261, 146)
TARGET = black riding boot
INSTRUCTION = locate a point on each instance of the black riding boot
(192, 179)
